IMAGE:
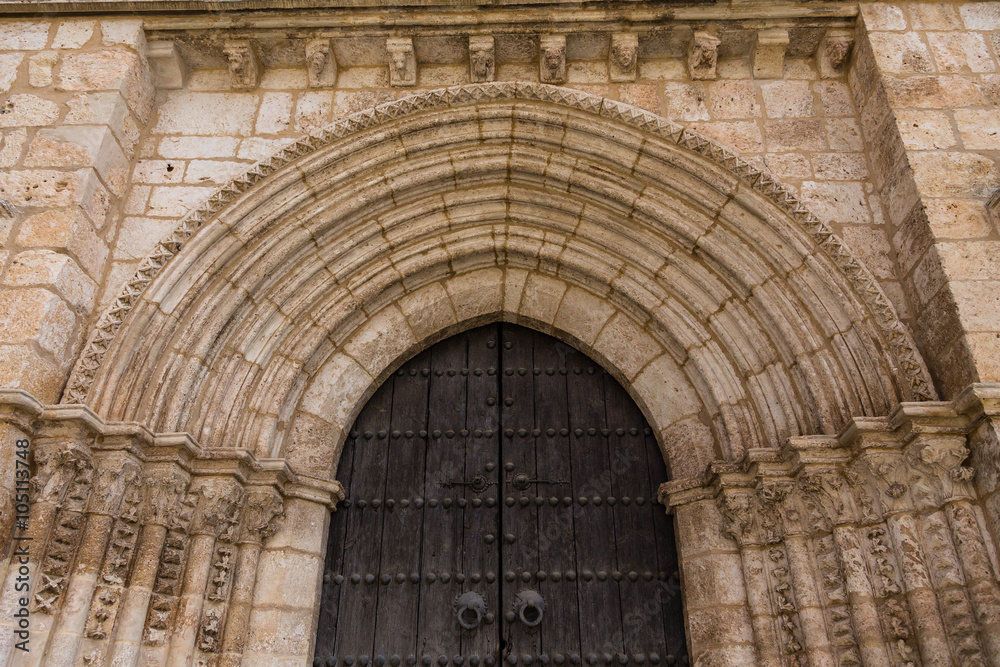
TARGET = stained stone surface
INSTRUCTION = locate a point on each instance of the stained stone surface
(775, 225)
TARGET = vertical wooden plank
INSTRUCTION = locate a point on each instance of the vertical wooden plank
(439, 633)
(600, 605)
(668, 578)
(481, 561)
(560, 633)
(519, 514)
(398, 598)
(642, 613)
(356, 629)
(333, 575)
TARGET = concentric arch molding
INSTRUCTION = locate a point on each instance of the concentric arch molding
(895, 334)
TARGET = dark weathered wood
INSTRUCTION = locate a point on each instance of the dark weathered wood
(636, 539)
(441, 552)
(553, 415)
(520, 517)
(356, 628)
(398, 601)
(330, 602)
(556, 556)
(600, 605)
(481, 516)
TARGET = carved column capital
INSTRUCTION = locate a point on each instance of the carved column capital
(56, 466)
(219, 501)
(264, 508)
(163, 491)
(828, 498)
(937, 472)
(115, 473)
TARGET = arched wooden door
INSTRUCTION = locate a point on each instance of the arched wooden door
(501, 508)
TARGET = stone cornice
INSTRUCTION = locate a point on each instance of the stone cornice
(432, 12)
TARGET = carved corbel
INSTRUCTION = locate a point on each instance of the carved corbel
(321, 63)
(768, 56)
(169, 69)
(703, 56)
(244, 65)
(552, 59)
(482, 59)
(833, 52)
(623, 59)
(402, 61)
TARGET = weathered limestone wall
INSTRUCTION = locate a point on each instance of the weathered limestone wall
(76, 95)
(877, 546)
(802, 127)
(926, 81)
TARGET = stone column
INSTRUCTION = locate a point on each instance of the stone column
(719, 623)
(217, 514)
(938, 478)
(115, 473)
(264, 507)
(740, 525)
(60, 464)
(163, 491)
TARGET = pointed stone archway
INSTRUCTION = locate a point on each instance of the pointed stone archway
(733, 317)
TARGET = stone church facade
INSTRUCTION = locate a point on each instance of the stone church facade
(225, 224)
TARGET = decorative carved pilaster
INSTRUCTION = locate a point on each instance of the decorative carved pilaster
(117, 561)
(889, 593)
(72, 475)
(838, 613)
(783, 599)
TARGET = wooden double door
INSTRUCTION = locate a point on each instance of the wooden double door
(501, 509)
